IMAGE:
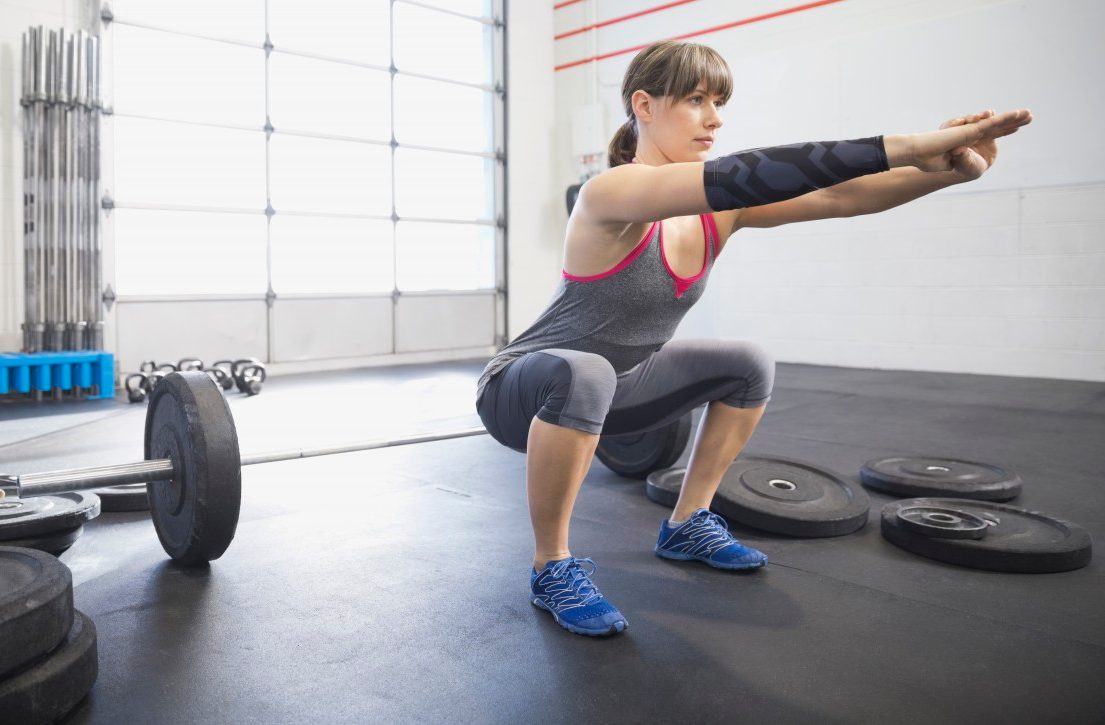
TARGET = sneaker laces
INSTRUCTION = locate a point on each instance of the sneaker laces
(717, 525)
(709, 517)
(576, 581)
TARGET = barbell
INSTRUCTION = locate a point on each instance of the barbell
(193, 468)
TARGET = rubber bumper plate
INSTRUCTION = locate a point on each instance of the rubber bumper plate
(36, 606)
(1016, 539)
(779, 495)
(635, 455)
(56, 542)
(48, 688)
(941, 477)
(128, 497)
(38, 515)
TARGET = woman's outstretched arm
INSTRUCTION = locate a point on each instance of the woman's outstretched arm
(875, 193)
(641, 193)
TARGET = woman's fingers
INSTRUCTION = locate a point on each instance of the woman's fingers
(1005, 132)
(977, 130)
(999, 125)
(963, 120)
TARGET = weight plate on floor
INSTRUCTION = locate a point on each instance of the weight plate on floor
(942, 522)
(196, 513)
(26, 517)
(36, 606)
(128, 497)
(790, 497)
(55, 542)
(1017, 540)
(51, 686)
(635, 455)
(663, 486)
(924, 476)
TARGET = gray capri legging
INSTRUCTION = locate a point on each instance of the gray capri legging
(580, 389)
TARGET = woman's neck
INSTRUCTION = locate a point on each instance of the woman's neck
(649, 154)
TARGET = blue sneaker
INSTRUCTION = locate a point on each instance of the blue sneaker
(564, 588)
(705, 536)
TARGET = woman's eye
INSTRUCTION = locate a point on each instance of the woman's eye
(696, 99)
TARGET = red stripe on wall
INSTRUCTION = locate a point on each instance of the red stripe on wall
(623, 18)
(565, 4)
(714, 29)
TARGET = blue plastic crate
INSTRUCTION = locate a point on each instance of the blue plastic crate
(26, 372)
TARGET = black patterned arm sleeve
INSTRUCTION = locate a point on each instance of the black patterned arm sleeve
(777, 173)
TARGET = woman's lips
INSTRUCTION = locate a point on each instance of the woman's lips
(705, 141)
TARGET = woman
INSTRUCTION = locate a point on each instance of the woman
(640, 244)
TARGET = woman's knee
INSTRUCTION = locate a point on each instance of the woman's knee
(756, 366)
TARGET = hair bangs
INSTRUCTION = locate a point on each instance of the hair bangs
(699, 65)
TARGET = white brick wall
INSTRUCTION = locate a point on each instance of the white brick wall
(944, 283)
(1003, 276)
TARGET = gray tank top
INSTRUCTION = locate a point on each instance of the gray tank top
(624, 314)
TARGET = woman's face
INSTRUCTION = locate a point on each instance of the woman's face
(685, 128)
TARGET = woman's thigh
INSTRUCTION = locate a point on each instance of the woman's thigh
(684, 374)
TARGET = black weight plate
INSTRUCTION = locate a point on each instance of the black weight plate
(663, 486)
(635, 455)
(36, 605)
(1018, 540)
(947, 477)
(24, 517)
(790, 497)
(52, 685)
(128, 497)
(196, 513)
(942, 522)
(55, 542)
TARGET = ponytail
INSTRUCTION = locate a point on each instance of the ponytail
(624, 144)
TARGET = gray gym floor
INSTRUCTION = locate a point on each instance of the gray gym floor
(390, 586)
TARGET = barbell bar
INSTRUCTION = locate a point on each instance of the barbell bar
(49, 483)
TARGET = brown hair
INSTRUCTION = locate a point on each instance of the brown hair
(667, 68)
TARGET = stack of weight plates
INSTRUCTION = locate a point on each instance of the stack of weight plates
(986, 535)
(47, 523)
(48, 657)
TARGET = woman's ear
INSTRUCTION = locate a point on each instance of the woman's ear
(643, 105)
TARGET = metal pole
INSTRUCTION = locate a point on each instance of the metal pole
(39, 327)
(56, 58)
(95, 312)
(289, 455)
(77, 321)
(27, 101)
(66, 149)
(79, 479)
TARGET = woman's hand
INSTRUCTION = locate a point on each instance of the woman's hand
(971, 162)
(965, 145)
